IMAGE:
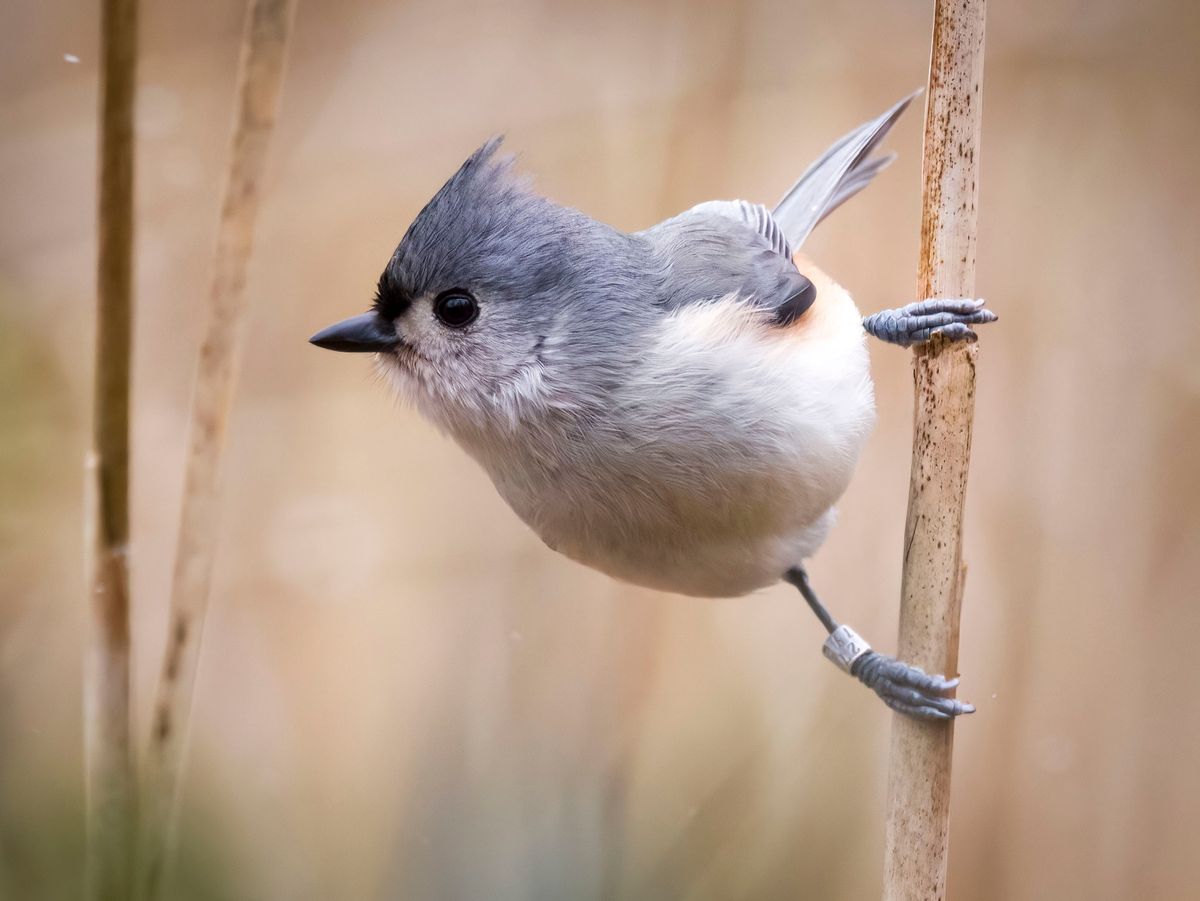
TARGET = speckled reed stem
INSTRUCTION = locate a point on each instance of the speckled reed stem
(108, 757)
(918, 804)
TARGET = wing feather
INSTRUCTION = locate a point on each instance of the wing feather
(734, 247)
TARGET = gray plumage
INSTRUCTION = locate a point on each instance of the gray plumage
(722, 248)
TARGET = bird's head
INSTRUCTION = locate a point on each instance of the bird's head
(485, 276)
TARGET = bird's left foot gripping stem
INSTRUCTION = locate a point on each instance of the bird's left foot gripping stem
(906, 689)
(920, 321)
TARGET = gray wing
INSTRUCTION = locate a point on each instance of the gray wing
(730, 247)
(755, 215)
(734, 247)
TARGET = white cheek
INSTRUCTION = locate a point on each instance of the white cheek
(420, 329)
(443, 347)
(462, 380)
(435, 371)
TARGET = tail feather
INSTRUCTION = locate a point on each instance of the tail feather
(840, 173)
(857, 179)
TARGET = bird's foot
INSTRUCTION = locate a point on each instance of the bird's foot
(917, 322)
(906, 689)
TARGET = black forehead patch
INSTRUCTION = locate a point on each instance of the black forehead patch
(391, 300)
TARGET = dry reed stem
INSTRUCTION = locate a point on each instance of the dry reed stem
(108, 757)
(918, 805)
(259, 81)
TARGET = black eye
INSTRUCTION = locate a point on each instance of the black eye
(455, 308)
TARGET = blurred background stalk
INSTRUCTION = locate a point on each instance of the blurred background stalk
(259, 83)
(111, 805)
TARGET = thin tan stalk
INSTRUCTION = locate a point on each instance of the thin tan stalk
(918, 805)
(259, 81)
(109, 771)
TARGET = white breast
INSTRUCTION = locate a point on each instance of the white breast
(723, 456)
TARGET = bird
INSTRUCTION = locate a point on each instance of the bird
(679, 407)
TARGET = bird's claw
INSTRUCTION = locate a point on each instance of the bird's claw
(917, 322)
(908, 689)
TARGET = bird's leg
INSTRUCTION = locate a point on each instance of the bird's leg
(906, 689)
(920, 321)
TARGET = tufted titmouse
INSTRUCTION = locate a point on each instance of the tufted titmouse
(679, 407)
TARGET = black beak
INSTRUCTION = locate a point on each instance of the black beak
(368, 333)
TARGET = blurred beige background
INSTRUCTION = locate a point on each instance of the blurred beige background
(402, 693)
